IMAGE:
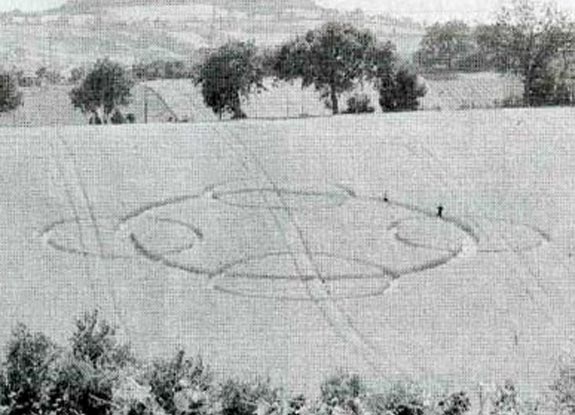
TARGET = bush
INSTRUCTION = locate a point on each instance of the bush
(181, 382)
(342, 391)
(455, 404)
(10, 96)
(507, 401)
(245, 398)
(94, 342)
(563, 388)
(96, 375)
(359, 104)
(118, 118)
(401, 91)
(400, 399)
(511, 101)
(86, 375)
(27, 372)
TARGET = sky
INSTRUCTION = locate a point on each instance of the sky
(28, 4)
(419, 9)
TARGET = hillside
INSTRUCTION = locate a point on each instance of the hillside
(252, 6)
(179, 234)
(128, 31)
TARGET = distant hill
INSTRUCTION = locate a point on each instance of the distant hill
(261, 6)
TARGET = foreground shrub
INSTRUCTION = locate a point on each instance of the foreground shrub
(132, 396)
(563, 388)
(81, 388)
(455, 404)
(27, 372)
(94, 342)
(181, 385)
(342, 393)
(86, 376)
(97, 375)
(247, 398)
(507, 401)
(399, 399)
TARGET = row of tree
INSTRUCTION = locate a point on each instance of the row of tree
(95, 374)
(531, 40)
(334, 59)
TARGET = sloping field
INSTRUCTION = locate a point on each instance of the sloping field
(293, 248)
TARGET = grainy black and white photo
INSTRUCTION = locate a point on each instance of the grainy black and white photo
(287, 207)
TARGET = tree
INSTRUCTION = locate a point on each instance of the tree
(359, 103)
(231, 72)
(10, 96)
(333, 58)
(104, 89)
(444, 44)
(527, 40)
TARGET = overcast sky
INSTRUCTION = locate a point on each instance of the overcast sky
(29, 4)
(420, 9)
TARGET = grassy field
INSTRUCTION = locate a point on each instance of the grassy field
(468, 91)
(43, 106)
(50, 105)
(293, 248)
(285, 100)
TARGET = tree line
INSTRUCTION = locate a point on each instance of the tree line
(333, 58)
(535, 41)
(530, 40)
(96, 374)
